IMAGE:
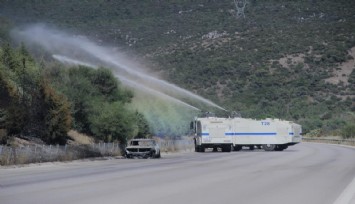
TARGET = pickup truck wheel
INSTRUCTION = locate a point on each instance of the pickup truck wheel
(152, 154)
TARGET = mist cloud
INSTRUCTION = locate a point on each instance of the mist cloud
(79, 50)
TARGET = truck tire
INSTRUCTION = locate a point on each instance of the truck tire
(251, 147)
(158, 155)
(237, 148)
(269, 147)
(227, 148)
(197, 148)
(202, 148)
(280, 147)
(152, 154)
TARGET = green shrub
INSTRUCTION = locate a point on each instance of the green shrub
(348, 131)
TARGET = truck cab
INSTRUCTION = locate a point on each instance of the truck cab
(211, 132)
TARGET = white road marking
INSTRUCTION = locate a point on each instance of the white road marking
(348, 195)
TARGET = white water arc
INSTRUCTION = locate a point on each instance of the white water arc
(70, 61)
(80, 48)
(161, 83)
(128, 82)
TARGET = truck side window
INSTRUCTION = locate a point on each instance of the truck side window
(199, 129)
(192, 125)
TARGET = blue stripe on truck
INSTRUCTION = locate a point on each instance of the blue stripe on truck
(250, 133)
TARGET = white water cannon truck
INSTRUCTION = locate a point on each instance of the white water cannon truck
(235, 133)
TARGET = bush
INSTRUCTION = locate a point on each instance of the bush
(111, 122)
(348, 131)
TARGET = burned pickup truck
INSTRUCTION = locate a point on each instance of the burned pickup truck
(142, 148)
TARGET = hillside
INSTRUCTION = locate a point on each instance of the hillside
(287, 59)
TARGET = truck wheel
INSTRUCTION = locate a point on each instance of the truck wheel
(230, 148)
(196, 146)
(202, 148)
(269, 147)
(158, 155)
(280, 147)
(237, 148)
(227, 148)
(251, 147)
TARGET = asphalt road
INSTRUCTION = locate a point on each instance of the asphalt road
(305, 173)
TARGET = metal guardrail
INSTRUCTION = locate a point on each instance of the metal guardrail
(350, 142)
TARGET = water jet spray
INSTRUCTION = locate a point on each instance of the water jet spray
(87, 53)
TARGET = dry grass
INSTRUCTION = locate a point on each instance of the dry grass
(80, 138)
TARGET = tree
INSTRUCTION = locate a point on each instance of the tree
(112, 122)
(142, 124)
(29, 105)
(97, 102)
(55, 114)
(9, 59)
(14, 112)
(104, 81)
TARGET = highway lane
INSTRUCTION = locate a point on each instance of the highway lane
(304, 173)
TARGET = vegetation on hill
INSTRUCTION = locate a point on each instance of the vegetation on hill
(47, 102)
(29, 105)
(98, 103)
(285, 59)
